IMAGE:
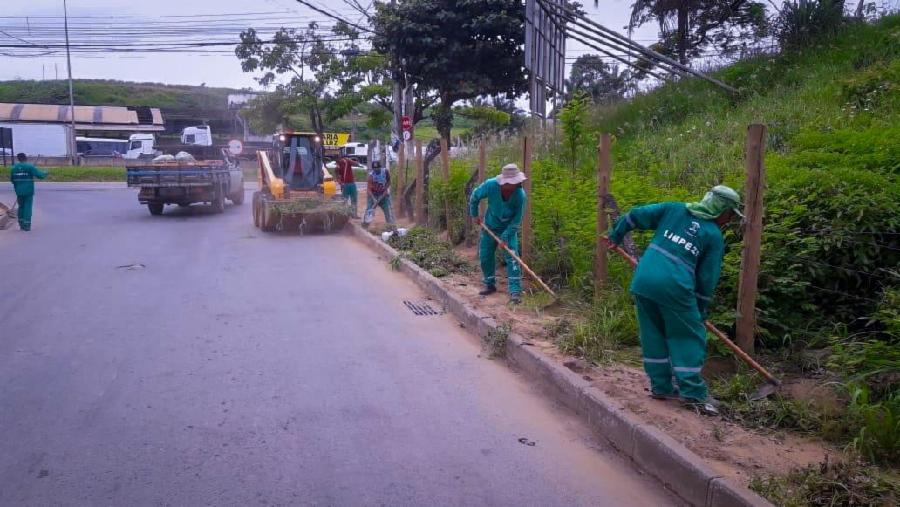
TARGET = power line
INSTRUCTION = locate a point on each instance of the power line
(333, 16)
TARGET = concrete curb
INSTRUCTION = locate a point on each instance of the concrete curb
(653, 451)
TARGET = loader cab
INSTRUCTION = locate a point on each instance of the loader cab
(298, 160)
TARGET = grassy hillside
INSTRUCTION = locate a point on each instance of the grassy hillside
(831, 243)
(117, 93)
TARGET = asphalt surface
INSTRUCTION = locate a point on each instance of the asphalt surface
(190, 359)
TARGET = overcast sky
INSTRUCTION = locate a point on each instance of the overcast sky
(25, 21)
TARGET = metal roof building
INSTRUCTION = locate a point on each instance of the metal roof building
(87, 118)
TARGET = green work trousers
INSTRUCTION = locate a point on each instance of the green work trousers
(487, 254)
(673, 341)
(25, 202)
(385, 204)
(348, 190)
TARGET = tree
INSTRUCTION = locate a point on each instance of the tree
(687, 26)
(461, 49)
(324, 77)
(491, 115)
(601, 81)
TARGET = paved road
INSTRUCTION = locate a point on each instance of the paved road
(239, 368)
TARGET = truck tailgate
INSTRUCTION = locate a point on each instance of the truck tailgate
(177, 174)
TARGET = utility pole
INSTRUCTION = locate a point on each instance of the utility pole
(397, 94)
(71, 91)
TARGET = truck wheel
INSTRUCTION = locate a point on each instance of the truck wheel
(257, 211)
(156, 208)
(238, 197)
(218, 204)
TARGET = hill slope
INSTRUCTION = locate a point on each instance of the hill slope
(831, 242)
(118, 93)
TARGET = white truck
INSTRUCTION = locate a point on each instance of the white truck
(141, 144)
(197, 136)
(144, 145)
(41, 140)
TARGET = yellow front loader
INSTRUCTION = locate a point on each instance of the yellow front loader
(297, 194)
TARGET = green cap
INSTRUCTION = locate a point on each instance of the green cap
(716, 202)
(731, 196)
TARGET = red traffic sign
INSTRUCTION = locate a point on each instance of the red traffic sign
(406, 123)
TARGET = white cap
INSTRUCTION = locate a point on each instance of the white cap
(510, 174)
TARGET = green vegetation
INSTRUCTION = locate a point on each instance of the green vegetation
(423, 247)
(449, 195)
(72, 174)
(774, 413)
(830, 245)
(831, 484)
(117, 93)
(494, 342)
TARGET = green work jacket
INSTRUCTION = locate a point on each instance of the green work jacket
(681, 266)
(22, 177)
(502, 217)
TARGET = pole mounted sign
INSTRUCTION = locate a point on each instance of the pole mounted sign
(545, 51)
(406, 126)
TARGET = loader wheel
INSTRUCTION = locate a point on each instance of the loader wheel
(156, 208)
(218, 204)
(257, 212)
(269, 217)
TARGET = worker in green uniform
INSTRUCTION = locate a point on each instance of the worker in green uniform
(505, 205)
(22, 177)
(673, 286)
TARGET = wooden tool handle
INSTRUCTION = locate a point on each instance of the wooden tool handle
(740, 353)
(517, 259)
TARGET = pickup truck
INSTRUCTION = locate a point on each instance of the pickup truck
(186, 182)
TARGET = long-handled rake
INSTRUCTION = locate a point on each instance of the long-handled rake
(516, 257)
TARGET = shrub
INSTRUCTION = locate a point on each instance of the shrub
(804, 22)
(877, 426)
(828, 247)
(444, 195)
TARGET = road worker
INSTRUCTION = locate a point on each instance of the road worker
(505, 205)
(22, 177)
(378, 193)
(673, 286)
(348, 181)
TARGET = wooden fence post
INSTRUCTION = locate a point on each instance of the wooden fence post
(526, 217)
(603, 170)
(420, 185)
(482, 169)
(445, 169)
(401, 178)
(750, 255)
(479, 178)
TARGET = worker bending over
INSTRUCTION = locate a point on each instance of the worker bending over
(348, 181)
(22, 177)
(378, 192)
(673, 287)
(505, 205)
